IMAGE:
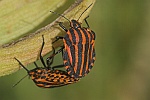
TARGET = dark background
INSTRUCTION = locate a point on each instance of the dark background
(122, 67)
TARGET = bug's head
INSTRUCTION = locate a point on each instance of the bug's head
(75, 24)
(34, 73)
(37, 73)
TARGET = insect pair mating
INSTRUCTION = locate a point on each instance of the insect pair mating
(78, 53)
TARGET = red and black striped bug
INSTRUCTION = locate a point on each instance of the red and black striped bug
(78, 48)
(48, 77)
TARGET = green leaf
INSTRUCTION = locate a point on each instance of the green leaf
(29, 20)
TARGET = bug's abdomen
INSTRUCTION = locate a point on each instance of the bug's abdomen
(51, 78)
(79, 52)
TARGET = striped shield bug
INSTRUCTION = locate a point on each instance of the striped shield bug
(78, 47)
(48, 77)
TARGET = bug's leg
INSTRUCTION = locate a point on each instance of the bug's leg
(36, 65)
(49, 60)
(87, 22)
(58, 66)
(62, 26)
(62, 47)
(41, 58)
(60, 50)
(57, 38)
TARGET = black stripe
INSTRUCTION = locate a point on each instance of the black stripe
(72, 48)
(72, 51)
(93, 34)
(67, 39)
(93, 55)
(91, 37)
(66, 57)
(71, 30)
(91, 50)
(86, 51)
(90, 55)
(80, 49)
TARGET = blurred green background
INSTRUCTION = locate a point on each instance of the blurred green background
(122, 67)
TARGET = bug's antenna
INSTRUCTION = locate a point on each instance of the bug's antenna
(20, 81)
(21, 64)
(85, 11)
(59, 15)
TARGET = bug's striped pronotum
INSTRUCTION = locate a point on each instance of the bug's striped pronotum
(78, 50)
(48, 77)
